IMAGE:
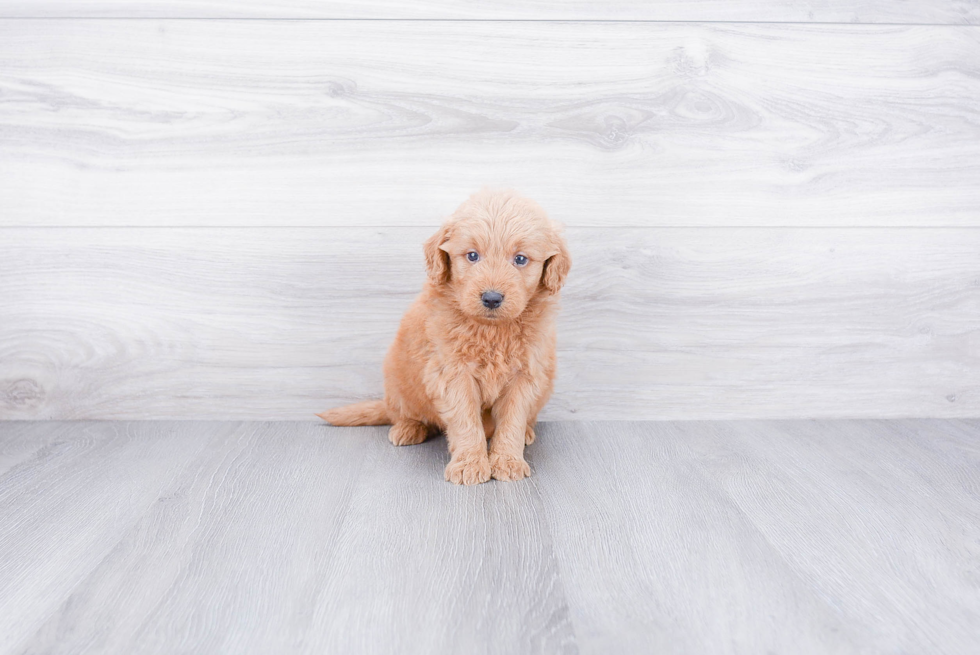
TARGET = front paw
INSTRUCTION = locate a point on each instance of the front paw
(508, 467)
(529, 436)
(468, 470)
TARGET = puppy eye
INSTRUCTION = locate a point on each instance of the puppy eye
(520, 260)
(473, 256)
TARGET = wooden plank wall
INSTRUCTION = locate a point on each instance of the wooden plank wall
(772, 207)
(943, 12)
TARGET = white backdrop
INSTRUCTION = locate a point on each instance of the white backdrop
(773, 212)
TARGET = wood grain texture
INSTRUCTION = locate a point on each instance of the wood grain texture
(300, 538)
(353, 123)
(232, 556)
(722, 537)
(656, 558)
(845, 11)
(796, 536)
(813, 495)
(21, 441)
(656, 323)
(461, 570)
(64, 509)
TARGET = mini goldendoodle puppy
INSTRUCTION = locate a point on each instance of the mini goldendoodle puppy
(475, 354)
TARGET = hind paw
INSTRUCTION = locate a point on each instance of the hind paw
(408, 433)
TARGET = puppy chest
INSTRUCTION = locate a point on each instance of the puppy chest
(493, 374)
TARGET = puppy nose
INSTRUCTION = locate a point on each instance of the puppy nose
(492, 299)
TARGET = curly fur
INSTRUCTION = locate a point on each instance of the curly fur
(457, 366)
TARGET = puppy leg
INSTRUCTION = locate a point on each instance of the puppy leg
(459, 408)
(407, 432)
(529, 434)
(511, 413)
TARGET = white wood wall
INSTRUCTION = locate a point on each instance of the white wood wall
(773, 208)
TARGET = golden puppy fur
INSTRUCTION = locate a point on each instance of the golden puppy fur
(460, 365)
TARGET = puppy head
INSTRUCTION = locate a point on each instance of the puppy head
(497, 253)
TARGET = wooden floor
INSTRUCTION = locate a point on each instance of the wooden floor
(670, 537)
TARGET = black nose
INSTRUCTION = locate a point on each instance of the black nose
(492, 299)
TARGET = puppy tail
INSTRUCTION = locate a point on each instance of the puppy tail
(370, 412)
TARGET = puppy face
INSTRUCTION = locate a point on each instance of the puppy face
(496, 254)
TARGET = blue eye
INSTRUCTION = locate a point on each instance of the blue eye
(473, 256)
(520, 260)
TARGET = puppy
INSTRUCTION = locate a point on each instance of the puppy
(475, 354)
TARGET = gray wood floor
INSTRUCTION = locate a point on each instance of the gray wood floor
(686, 537)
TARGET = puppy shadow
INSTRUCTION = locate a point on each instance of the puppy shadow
(432, 455)
(424, 462)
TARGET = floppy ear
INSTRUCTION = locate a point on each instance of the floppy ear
(437, 260)
(557, 266)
